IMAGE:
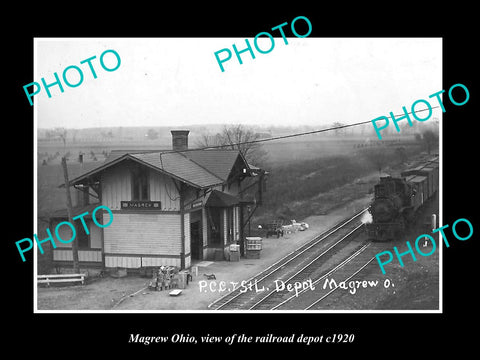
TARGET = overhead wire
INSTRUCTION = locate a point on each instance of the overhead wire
(284, 136)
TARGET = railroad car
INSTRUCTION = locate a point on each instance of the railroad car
(397, 200)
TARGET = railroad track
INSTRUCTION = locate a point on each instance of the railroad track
(302, 266)
(322, 288)
(316, 305)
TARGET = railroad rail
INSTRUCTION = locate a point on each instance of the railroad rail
(316, 303)
(304, 262)
(346, 270)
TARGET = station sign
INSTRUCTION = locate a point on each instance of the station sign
(141, 205)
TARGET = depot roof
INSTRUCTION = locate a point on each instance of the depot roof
(198, 168)
(220, 199)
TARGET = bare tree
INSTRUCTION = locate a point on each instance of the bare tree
(401, 153)
(60, 133)
(339, 131)
(429, 139)
(237, 137)
(151, 134)
(208, 140)
(378, 157)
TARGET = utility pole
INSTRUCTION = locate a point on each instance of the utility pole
(76, 269)
(249, 222)
(182, 226)
(62, 133)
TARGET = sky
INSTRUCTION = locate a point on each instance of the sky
(177, 81)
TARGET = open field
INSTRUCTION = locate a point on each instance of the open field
(301, 167)
(311, 186)
(307, 176)
(278, 151)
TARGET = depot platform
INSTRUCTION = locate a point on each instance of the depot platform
(197, 298)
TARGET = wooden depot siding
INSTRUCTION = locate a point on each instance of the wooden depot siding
(66, 233)
(65, 254)
(95, 236)
(204, 232)
(145, 239)
(237, 223)
(225, 226)
(143, 233)
(117, 187)
(231, 189)
(142, 238)
(186, 226)
(162, 188)
(138, 261)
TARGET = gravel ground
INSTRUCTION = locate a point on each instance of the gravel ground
(112, 293)
(416, 285)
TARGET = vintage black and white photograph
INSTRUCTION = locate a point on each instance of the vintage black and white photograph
(290, 174)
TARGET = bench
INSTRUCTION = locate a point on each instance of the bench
(58, 278)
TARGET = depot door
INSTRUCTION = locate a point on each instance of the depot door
(196, 241)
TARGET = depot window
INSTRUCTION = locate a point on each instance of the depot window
(140, 188)
(82, 238)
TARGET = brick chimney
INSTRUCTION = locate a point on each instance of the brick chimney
(179, 139)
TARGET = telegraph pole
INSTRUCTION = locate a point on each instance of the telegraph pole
(62, 133)
(76, 269)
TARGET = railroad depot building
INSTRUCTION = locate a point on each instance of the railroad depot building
(169, 207)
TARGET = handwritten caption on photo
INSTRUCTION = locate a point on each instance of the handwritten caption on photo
(297, 287)
(248, 285)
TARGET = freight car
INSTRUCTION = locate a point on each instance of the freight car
(397, 200)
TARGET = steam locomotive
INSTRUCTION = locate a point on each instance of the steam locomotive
(397, 200)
